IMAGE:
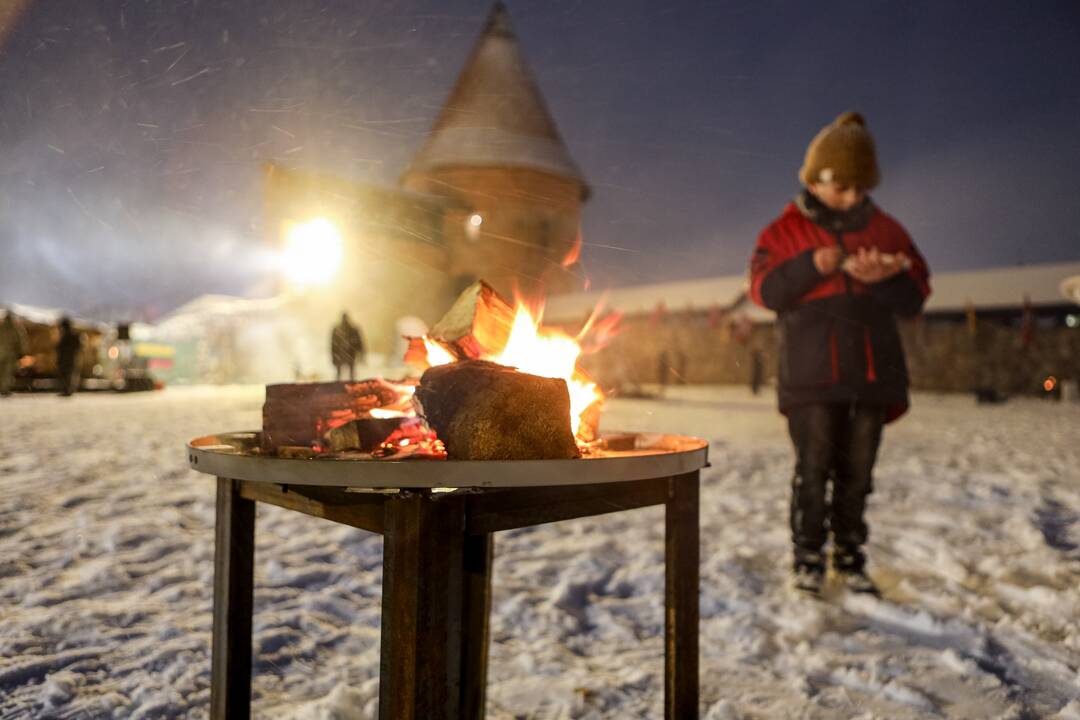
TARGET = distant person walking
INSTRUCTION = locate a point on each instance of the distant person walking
(67, 358)
(346, 345)
(837, 271)
(757, 370)
(13, 345)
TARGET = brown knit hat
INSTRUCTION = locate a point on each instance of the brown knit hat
(842, 152)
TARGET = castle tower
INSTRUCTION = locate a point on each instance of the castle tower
(495, 150)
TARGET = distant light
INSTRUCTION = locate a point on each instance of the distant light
(476, 220)
(1050, 383)
(313, 252)
(1072, 320)
(114, 352)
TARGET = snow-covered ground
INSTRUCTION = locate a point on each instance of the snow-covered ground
(106, 548)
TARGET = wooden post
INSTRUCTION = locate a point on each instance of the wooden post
(476, 610)
(682, 557)
(234, 555)
(422, 608)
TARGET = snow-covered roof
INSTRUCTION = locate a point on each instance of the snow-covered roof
(51, 316)
(993, 288)
(192, 318)
(1070, 288)
(495, 114)
(1000, 287)
(724, 292)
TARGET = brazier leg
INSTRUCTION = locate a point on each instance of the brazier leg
(234, 555)
(682, 557)
(420, 670)
(476, 610)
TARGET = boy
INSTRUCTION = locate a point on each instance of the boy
(837, 271)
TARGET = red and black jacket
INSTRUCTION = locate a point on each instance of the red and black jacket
(838, 337)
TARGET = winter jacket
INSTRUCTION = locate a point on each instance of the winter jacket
(345, 344)
(839, 341)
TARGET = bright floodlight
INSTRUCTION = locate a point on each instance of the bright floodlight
(312, 252)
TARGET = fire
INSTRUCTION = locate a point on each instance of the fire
(547, 352)
(436, 353)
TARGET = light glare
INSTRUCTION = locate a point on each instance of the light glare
(312, 254)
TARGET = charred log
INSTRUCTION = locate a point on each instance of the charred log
(484, 411)
(300, 414)
(365, 434)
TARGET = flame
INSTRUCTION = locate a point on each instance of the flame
(548, 352)
(574, 253)
(437, 354)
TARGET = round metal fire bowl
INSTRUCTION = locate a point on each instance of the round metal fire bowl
(235, 456)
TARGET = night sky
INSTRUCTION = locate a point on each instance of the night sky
(131, 133)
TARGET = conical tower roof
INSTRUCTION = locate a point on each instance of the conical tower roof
(495, 116)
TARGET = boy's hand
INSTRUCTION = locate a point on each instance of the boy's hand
(871, 266)
(827, 259)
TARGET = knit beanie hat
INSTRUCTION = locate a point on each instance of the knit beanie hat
(843, 152)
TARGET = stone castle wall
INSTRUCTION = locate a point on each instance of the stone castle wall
(943, 355)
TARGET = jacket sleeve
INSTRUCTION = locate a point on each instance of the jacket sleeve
(906, 292)
(777, 279)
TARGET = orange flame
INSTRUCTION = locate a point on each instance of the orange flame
(436, 353)
(574, 254)
(547, 352)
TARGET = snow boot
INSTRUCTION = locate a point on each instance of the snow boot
(808, 573)
(850, 567)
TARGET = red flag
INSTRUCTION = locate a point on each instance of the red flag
(716, 316)
(657, 316)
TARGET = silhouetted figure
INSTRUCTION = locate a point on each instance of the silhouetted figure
(67, 358)
(757, 370)
(346, 345)
(663, 369)
(13, 345)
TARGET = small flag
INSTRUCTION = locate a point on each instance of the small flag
(658, 314)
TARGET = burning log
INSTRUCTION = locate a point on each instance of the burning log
(301, 414)
(485, 411)
(365, 434)
(478, 324)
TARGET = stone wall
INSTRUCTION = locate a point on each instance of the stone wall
(943, 355)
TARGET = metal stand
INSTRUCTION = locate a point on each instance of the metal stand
(437, 584)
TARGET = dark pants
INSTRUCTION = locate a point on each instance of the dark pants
(837, 442)
(350, 366)
(68, 375)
